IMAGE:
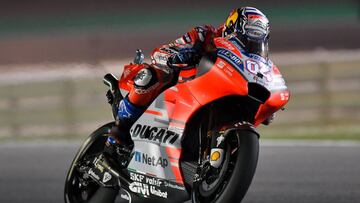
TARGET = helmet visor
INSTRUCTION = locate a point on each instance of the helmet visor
(258, 47)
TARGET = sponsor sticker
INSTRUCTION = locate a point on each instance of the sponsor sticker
(159, 135)
(147, 159)
(154, 181)
(145, 179)
(173, 185)
(139, 188)
(107, 177)
(93, 174)
(147, 186)
(215, 156)
(157, 192)
(221, 64)
(226, 69)
(147, 190)
(145, 91)
(257, 70)
(226, 44)
(231, 58)
(136, 177)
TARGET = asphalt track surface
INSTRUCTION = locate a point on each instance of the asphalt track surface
(287, 172)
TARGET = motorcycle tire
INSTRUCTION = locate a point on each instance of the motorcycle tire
(92, 145)
(240, 176)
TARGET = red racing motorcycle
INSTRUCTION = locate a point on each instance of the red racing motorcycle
(196, 141)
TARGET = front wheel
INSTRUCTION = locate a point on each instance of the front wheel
(230, 182)
(81, 190)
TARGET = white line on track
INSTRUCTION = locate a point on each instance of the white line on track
(42, 143)
(308, 143)
(263, 143)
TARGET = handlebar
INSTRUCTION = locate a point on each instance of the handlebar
(112, 82)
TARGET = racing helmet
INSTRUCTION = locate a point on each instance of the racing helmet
(251, 27)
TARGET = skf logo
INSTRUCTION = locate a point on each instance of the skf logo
(150, 160)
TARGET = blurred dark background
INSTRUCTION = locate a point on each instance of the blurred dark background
(87, 30)
(53, 54)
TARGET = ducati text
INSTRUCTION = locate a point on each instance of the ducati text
(155, 134)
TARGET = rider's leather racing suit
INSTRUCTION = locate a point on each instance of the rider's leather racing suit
(167, 60)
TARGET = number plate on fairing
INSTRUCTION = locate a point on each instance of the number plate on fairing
(252, 67)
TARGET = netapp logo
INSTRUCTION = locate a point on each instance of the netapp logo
(155, 134)
(150, 160)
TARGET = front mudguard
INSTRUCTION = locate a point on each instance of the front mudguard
(238, 126)
(228, 129)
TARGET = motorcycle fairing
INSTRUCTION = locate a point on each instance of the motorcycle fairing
(157, 137)
(158, 133)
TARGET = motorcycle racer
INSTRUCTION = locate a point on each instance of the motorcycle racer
(248, 24)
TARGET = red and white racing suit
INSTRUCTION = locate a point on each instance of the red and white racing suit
(182, 54)
(168, 63)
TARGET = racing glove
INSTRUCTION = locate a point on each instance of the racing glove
(185, 58)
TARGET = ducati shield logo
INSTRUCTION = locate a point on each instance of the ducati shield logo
(106, 177)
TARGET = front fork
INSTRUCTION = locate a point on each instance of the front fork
(218, 135)
(217, 144)
(218, 140)
(217, 148)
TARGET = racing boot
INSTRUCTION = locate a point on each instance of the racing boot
(119, 145)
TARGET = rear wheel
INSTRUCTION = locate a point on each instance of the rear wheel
(80, 189)
(230, 182)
